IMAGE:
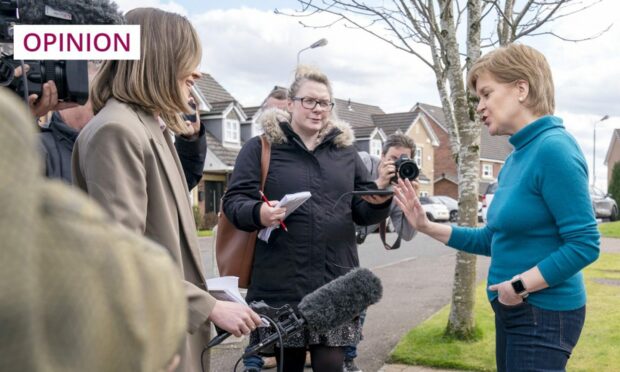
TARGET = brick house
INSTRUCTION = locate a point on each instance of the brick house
(493, 153)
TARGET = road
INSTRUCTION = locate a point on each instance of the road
(417, 281)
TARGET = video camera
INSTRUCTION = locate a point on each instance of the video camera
(405, 169)
(70, 77)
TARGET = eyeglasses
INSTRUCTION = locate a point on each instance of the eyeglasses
(310, 103)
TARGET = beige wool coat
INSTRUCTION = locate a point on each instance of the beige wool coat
(125, 161)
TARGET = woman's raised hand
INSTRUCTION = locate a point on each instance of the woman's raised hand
(406, 196)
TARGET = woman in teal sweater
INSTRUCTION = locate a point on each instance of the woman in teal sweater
(541, 229)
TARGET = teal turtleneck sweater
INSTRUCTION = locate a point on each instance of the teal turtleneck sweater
(541, 215)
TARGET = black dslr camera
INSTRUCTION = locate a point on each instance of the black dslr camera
(405, 169)
(70, 77)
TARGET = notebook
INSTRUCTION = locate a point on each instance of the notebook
(290, 202)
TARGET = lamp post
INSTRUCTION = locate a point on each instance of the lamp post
(594, 149)
(316, 44)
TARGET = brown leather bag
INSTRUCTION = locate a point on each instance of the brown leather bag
(234, 248)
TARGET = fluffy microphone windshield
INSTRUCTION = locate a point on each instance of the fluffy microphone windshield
(341, 299)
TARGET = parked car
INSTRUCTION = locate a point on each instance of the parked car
(487, 198)
(604, 206)
(453, 206)
(435, 211)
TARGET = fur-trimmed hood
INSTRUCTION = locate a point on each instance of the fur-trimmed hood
(270, 121)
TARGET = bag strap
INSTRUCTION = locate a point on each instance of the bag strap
(264, 160)
(382, 229)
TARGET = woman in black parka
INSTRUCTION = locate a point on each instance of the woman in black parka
(310, 151)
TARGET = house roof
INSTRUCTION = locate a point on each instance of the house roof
(212, 90)
(494, 147)
(355, 113)
(491, 147)
(615, 138)
(251, 111)
(390, 123)
(435, 113)
(364, 132)
(219, 107)
(225, 154)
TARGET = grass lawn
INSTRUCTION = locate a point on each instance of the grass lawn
(203, 233)
(610, 229)
(598, 348)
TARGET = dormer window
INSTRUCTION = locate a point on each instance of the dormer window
(375, 147)
(231, 131)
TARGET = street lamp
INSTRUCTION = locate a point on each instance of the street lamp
(316, 44)
(594, 149)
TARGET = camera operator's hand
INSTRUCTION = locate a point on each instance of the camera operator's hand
(234, 318)
(271, 216)
(48, 101)
(387, 170)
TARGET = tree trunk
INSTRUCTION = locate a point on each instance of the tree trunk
(461, 321)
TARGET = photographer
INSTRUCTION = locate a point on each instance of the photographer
(383, 171)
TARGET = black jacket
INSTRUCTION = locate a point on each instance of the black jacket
(58, 139)
(320, 243)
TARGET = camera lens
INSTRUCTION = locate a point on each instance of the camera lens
(408, 170)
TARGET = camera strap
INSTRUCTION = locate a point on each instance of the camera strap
(382, 230)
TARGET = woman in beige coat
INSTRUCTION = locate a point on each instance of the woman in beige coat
(125, 159)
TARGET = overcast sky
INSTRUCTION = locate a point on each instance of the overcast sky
(249, 49)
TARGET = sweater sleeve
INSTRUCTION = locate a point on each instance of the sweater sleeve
(563, 182)
(476, 240)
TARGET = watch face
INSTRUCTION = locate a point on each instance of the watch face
(518, 286)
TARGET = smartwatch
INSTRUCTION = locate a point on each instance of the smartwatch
(519, 286)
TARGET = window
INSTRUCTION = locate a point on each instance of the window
(231, 131)
(487, 170)
(375, 147)
(418, 157)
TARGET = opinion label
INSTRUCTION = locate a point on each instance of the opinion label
(63, 42)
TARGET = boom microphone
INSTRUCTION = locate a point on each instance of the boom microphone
(327, 307)
(340, 300)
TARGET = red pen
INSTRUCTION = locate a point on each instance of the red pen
(269, 204)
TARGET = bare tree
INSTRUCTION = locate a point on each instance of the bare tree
(428, 30)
